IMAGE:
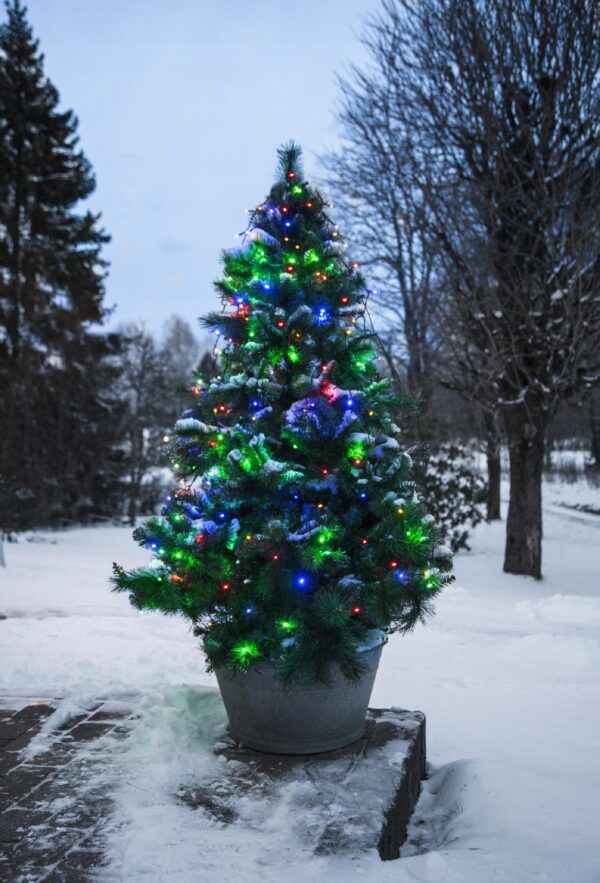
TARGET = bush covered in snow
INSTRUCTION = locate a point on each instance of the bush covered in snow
(453, 491)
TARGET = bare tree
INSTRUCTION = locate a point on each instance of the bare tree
(144, 388)
(502, 101)
(384, 209)
(372, 181)
(156, 379)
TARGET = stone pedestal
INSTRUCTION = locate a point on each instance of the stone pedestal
(349, 801)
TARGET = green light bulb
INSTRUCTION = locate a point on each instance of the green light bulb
(415, 536)
(245, 652)
(357, 451)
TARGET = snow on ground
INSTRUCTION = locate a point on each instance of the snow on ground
(508, 674)
(580, 494)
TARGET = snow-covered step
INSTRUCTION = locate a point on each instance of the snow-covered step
(347, 801)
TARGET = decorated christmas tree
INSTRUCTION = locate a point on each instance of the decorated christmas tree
(296, 529)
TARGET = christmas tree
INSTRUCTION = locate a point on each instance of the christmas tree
(296, 529)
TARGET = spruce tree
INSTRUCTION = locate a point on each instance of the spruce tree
(296, 528)
(51, 291)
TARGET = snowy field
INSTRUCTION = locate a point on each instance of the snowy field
(508, 674)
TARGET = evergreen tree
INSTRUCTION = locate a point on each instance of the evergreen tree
(51, 290)
(296, 528)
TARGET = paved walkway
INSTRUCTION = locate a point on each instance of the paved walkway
(52, 811)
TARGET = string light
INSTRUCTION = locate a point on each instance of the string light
(245, 652)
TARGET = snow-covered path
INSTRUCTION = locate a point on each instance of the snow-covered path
(508, 674)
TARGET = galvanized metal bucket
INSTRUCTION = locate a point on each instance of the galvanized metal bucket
(266, 715)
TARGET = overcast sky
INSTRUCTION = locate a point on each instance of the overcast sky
(182, 105)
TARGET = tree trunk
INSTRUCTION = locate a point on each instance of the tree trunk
(525, 434)
(492, 450)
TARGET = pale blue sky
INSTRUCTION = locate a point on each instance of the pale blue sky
(182, 104)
